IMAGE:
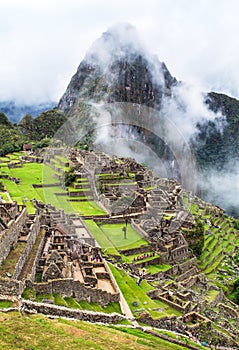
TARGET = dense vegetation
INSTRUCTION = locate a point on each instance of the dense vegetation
(29, 130)
(217, 141)
(45, 125)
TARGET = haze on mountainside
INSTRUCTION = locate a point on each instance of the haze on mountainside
(118, 68)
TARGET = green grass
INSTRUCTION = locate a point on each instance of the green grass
(4, 196)
(58, 300)
(10, 263)
(111, 237)
(5, 304)
(112, 307)
(101, 238)
(71, 302)
(34, 173)
(133, 293)
(116, 236)
(87, 208)
(35, 332)
(157, 268)
(180, 337)
(40, 297)
(29, 293)
(211, 295)
(29, 174)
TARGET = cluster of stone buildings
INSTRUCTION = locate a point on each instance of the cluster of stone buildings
(58, 251)
(60, 255)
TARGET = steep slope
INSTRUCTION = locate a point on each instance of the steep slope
(117, 68)
(45, 125)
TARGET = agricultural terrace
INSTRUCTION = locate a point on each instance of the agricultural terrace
(137, 298)
(221, 243)
(30, 174)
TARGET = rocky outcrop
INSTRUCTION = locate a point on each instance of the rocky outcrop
(117, 69)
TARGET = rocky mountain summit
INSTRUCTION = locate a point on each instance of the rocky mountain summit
(117, 68)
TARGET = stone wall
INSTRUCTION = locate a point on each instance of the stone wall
(32, 275)
(171, 323)
(32, 159)
(112, 279)
(190, 282)
(46, 185)
(21, 219)
(170, 339)
(154, 261)
(193, 271)
(69, 288)
(11, 287)
(134, 251)
(34, 230)
(184, 308)
(187, 265)
(228, 311)
(8, 240)
(61, 311)
(218, 299)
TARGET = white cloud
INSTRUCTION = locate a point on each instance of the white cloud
(43, 42)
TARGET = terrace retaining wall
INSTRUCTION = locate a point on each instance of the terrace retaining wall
(61, 311)
(34, 230)
(11, 287)
(67, 287)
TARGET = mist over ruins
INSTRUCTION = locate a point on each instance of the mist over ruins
(112, 206)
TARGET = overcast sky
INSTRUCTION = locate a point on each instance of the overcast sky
(42, 42)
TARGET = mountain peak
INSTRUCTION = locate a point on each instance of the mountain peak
(120, 41)
(118, 68)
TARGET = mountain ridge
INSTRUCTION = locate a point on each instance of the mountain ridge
(15, 111)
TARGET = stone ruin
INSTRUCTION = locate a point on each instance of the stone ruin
(57, 248)
(69, 261)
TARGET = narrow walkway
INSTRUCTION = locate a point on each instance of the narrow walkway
(9, 197)
(123, 303)
(126, 310)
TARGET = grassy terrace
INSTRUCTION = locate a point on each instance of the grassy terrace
(106, 245)
(71, 302)
(138, 258)
(116, 236)
(4, 196)
(133, 293)
(12, 259)
(219, 244)
(27, 333)
(180, 337)
(157, 268)
(111, 237)
(34, 173)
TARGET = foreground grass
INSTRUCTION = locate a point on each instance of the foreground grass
(36, 332)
